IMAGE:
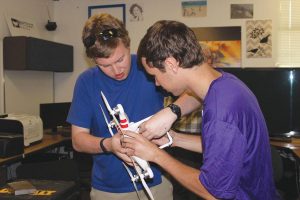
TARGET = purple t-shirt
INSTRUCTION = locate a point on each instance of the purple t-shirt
(236, 150)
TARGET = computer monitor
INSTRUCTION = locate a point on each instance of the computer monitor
(278, 93)
(54, 115)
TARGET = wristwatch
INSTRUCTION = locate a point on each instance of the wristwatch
(102, 147)
(176, 110)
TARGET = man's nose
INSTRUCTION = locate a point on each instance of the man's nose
(115, 69)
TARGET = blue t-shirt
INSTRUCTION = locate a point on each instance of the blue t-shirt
(139, 98)
(236, 150)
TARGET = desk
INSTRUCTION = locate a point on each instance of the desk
(46, 190)
(294, 145)
(48, 142)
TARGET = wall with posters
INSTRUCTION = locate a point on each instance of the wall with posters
(71, 15)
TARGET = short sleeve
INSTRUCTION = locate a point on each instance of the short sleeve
(80, 111)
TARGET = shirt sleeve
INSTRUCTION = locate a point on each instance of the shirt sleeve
(223, 153)
(80, 112)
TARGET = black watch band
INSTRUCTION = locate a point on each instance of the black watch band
(176, 110)
(104, 150)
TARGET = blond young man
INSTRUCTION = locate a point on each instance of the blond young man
(117, 75)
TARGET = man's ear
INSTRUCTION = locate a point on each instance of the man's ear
(172, 64)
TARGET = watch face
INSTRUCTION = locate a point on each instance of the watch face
(175, 109)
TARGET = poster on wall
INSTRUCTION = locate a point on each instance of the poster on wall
(222, 45)
(259, 38)
(136, 12)
(19, 26)
(241, 11)
(116, 10)
(194, 8)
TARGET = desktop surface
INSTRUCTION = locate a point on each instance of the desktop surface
(48, 142)
(63, 131)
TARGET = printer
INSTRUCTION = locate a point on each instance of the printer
(30, 126)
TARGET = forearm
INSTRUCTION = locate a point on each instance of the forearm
(83, 141)
(187, 176)
(188, 103)
(187, 141)
(162, 121)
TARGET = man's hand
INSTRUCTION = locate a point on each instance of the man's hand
(137, 145)
(116, 148)
(158, 124)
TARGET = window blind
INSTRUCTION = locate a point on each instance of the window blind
(289, 34)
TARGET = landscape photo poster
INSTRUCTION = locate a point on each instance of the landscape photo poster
(241, 11)
(221, 45)
(259, 38)
(194, 8)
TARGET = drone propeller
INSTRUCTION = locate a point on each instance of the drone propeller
(142, 163)
(112, 113)
(132, 179)
(106, 103)
(127, 169)
(108, 124)
(141, 176)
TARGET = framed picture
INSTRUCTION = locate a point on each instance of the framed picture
(259, 38)
(136, 12)
(241, 11)
(194, 8)
(221, 45)
(116, 10)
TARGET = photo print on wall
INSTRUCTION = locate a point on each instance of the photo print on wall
(136, 12)
(259, 38)
(221, 45)
(194, 8)
(241, 11)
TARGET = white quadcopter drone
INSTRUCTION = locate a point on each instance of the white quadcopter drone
(142, 167)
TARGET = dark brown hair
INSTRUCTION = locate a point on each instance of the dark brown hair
(170, 39)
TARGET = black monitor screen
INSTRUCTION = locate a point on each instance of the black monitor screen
(278, 93)
(54, 115)
(296, 102)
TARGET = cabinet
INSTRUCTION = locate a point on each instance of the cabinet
(28, 53)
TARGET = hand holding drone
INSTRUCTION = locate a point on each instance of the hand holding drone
(142, 167)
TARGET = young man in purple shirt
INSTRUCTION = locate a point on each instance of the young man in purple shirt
(234, 142)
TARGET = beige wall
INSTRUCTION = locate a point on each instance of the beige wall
(25, 90)
(23, 93)
(218, 15)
